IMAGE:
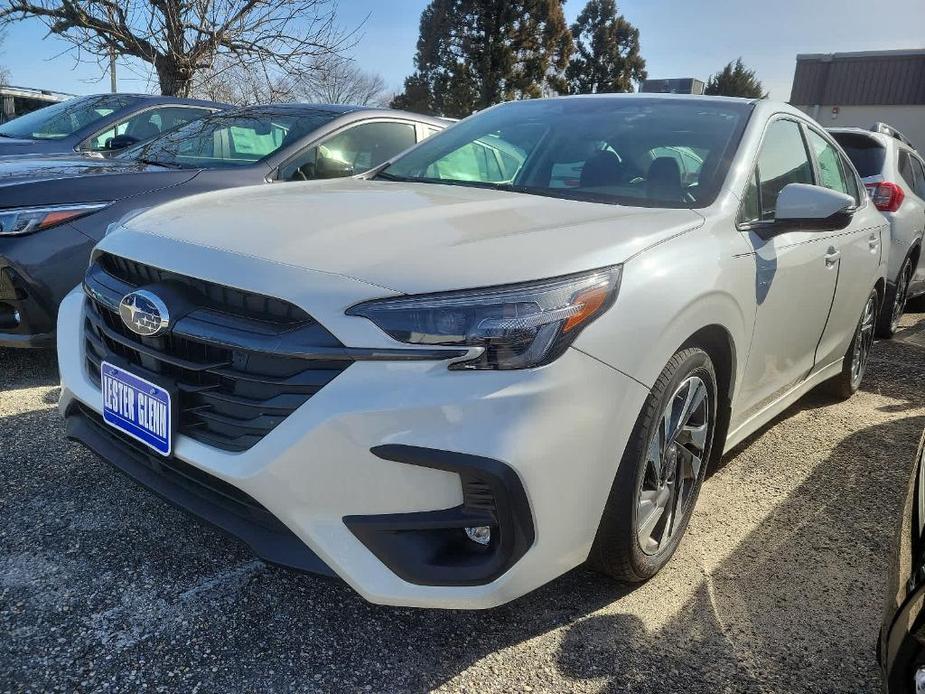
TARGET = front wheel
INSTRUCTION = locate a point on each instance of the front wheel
(895, 304)
(660, 474)
(854, 365)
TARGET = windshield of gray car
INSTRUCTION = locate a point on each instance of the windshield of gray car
(65, 118)
(651, 152)
(230, 138)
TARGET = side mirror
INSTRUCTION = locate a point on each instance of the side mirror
(120, 142)
(809, 207)
(325, 167)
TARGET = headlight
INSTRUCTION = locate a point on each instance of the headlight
(517, 326)
(23, 220)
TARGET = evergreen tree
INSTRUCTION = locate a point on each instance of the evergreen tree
(475, 53)
(607, 47)
(735, 80)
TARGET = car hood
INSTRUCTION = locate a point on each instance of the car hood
(18, 146)
(47, 180)
(414, 237)
(49, 167)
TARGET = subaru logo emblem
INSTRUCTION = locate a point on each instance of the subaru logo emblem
(144, 313)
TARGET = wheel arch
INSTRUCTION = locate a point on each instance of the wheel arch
(915, 253)
(719, 344)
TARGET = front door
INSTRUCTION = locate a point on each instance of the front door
(795, 275)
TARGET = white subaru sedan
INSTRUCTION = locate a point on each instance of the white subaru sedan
(514, 349)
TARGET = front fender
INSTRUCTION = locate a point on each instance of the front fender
(670, 292)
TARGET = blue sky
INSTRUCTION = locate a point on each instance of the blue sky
(679, 39)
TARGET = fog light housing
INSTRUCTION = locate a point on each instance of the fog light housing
(480, 534)
(467, 545)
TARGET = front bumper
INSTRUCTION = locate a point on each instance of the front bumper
(36, 273)
(335, 467)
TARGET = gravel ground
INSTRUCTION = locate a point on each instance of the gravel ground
(777, 587)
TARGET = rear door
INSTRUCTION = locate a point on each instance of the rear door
(859, 246)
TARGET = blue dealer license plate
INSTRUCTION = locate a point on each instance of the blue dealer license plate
(137, 407)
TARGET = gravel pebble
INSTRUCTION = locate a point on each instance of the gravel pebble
(777, 587)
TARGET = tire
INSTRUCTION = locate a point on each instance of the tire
(854, 364)
(623, 547)
(894, 304)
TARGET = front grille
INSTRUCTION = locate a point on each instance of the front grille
(230, 395)
(227, 299)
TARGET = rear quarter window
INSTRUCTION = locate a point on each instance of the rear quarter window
(867, 155)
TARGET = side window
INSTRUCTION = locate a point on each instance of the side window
(854, 186)
(920, 177)
(831, 172)
(350, 152)
(783, 159)
(145, 125)
(906, 170)
(490, 159)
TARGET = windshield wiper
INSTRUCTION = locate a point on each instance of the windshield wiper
(392, 177)
(155, 162)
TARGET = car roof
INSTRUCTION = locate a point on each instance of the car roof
(161, 99)
(882, 139)
(344, 109)
(664, 97)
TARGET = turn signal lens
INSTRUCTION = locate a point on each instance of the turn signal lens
(516, 326)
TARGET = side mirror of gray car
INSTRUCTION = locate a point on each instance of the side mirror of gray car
(120, 142)
(809, 207)
(326, 167)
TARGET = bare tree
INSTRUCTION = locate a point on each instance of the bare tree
(179, 38)
(236, 84)
(340, 81)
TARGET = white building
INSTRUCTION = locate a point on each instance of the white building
(860, 89)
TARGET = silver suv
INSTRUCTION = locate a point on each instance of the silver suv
(894, 174)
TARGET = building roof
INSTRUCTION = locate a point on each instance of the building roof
(860, 79)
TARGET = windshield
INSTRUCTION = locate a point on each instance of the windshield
(64, 118)
(623, 150)
(227, 139)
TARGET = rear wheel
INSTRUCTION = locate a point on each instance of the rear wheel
(854, 365)
(661, 472)
(895, 302)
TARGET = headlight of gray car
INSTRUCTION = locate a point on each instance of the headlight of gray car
(25, 220)
(517, 326)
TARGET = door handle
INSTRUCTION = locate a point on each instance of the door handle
(873, 242)
(831, 258)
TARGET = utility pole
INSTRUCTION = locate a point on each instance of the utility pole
(112, 70)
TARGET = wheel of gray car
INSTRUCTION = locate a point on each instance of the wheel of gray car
(895, 302)
(854, 365)
(661, 472)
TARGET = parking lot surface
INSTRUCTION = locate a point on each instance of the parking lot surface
(776, 588)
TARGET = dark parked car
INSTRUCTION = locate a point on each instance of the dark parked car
(902, 637)
(54, 210)
(100, 123)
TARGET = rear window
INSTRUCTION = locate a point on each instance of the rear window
(865, 153)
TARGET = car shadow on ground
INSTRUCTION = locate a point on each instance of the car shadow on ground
(25, 368)
(102, 583)
(790, 608)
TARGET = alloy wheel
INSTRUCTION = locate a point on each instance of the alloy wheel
(902, 295)
(863, 340)
(674, 459)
